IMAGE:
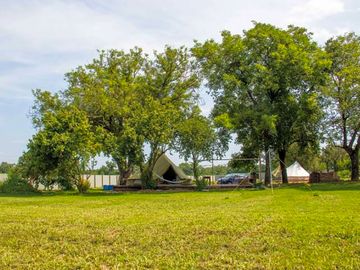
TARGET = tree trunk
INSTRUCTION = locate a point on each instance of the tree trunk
(282, 156)
(195, 170)
(124, 173)
(354, 157)
(267, 167)
(147, 176)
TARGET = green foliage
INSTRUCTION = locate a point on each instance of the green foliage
(335, 158)
(167, 95)
(15, 183)
(187, 168)
(108, 169)
(196, 140)
(343, 96)
(5, 167)
(208, 170)
(266, 84)
(344, 174)
(106, 90)
(309, 158)
(83, 185)
(201, 184)
(63, 145)
(132, 99)
(243, 162)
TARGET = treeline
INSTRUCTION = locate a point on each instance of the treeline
(273, 88)
(5, 167)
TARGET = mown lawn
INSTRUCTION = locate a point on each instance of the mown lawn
(289, 228)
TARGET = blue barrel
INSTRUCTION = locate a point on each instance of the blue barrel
(108, 187)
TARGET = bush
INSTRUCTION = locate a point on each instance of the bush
(64, 183)
(16, 184)
(83, 185)
(344, 174)
(201, 184)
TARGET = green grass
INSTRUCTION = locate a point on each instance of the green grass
(295, 227)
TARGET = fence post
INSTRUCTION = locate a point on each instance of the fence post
(94, 181)
(102, 180)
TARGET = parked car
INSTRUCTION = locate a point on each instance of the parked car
(233, 178)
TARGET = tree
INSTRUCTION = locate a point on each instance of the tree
(106, 90)
(187, 168)
(334, 157)
(196, 140)
(266, 83)
(109, 168)
(64, 143)
(167, 95)
(309, 157)
(343, 95)
(5, 167)
(132, 100)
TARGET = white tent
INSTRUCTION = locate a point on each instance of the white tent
(296, 170)
(295, 173)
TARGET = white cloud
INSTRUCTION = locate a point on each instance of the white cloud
(323, 34)
(59, 26)
(313, 10)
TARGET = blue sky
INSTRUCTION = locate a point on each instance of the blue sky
(41, 40)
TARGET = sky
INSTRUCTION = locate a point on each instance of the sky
(41, 40)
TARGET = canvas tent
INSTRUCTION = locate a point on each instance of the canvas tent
(295, 172)
(166, 169)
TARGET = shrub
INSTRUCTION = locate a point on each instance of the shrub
(201, 184)
(16, 184)
(344, 174)
(83, 185)
(64, 183)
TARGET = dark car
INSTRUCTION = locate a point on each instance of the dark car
(233, 178)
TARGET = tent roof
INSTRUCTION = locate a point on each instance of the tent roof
(296, 170)
(163, 164)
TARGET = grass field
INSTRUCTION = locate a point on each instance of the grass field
(300, 227)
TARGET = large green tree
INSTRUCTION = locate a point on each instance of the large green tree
(265, 82)
(106, 89)
(63, 145)
(167, 95)
(334, 158)
(343, 95)
(132, 100)
(5, 167)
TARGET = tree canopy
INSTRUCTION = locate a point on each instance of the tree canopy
(271, 87)
(197, 140)
(343, 96)
(265, 84)
(63, 145)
